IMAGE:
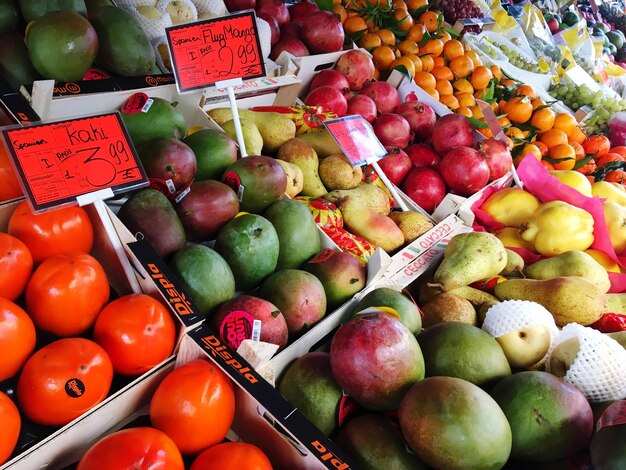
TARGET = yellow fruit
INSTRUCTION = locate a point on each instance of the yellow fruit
(511, 238)
(574, 179)
(602, 258)
(608, 191)
(510, 206)
(615, 216)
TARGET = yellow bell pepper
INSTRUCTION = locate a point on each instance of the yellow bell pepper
(574, 179)
(615, 216)
(510, 206)
(557, 227)
(609, 191)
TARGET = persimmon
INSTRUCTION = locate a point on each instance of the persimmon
(597, 144)
(16, 266)
(17, 338)
(10, 429)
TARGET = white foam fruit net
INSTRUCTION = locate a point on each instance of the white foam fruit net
(599, 368)
(210, 8)
(134, 3)
(153, 28)
(265, 36)
(186, 9)
(511, 315)
(161, 43)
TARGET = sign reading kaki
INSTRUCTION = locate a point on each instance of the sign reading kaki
(60, 161)
(356, 138)
(215, 50)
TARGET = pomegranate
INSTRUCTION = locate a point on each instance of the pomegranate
(464, 170)
(302, 10)
(384, 95)
(358, 68)
(421, 118)
(237, 5)
(328, 97)
(322, 32)
(363, 105)
(422, 155)
(392, 130)
(425, 186)
(275, 8)
(498, 157)
(291, 31)
(274, 28)
(331, 78)
(293, 46)
(451, 131)
(396, 165)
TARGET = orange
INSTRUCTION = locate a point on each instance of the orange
(477, 112)
(416, 32)
(466, 99)
(532, 149)
(354, 25)
(369, 41)
(579, 150)
(442, 73)
(509, 142)
(453, 49)
(553, 137)
(387, 37)
(406, 62)
(514, 133)
(444, 36)
(587, 169)
(463, 85)
(565, 154)
(577, 135)
(465, 111)
(449, 100)
(461, 66)
(504, 122)
(425, 79)
(427, 62)
(17, 338)
(547, 165)
(542, 147)
(407, 46)
(430, 20)
(417, 62)
(341, 12)
(543, 120)
(474, 58)
(526, 90)
(439, 61)
(508, 82)
(597, 144)
(433, 46)
(444, 87)
(415, 4)
(495, 108)
(537, 103)
(519, 109)
(566, 122)
(399, 5)
(481, 76)
(383, 57)
(404, 19)
(616, 176)
(486, 132)
(609, 157)
(497, 72)
(620, 149)
(432, 92)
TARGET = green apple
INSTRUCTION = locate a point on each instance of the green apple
(526, 346)
(564, 356)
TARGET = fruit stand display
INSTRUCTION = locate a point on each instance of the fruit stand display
(403, 247)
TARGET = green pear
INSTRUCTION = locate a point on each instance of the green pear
(571, 263)
(251, 136)
(322, 142)
(484, 308)
(525, 347)
(301, 154)
(447, 307)
(336, 172)
(470, 257)
(476, 297)
(369, 196)
(616, 303)
(569, 298)
(563, 356)
(412, 223)
(514, 264)
(378, 229)
(295, 178)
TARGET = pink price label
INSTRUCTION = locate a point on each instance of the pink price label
(236, 327)
(355, 136)
(135, 103)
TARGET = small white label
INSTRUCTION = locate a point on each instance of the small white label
(256, 330)
(182, 195)
(147, 106)
(170, 186)
(240, 192)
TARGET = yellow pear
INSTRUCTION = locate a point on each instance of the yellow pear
(510, 206)
(512, 238)
(609, 191)
(525, 347)
(574, 179)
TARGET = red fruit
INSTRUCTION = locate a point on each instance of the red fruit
(237, 5)
(498, 157)
(328, 97)
(274, 27)
(396, 165)
(331, 78)
(363, 105)
(275, 8)
(384, 95)
(464, 170)
(422, 155)
(392, 130)
(291, 30)
(322, 32)
(358, 68)
(425, 186)
(421, 118)
(302, 10)
(452, 131)
(294, 46)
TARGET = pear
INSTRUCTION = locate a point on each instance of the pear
(322, 142)
(512, 238)
(470, 257)
(476, 297)
(569, 298)
(299, 153)
(615, 216)
(378, 229)
(295, 179)
(525, 347)
(616, 303)
(369, 196)
(336, 172)
(484, 308)
(563, 356)
(570, 263)
(251, 136)
(275, 128)
(447, 307)
(514, 264)
(412, 223)
(150, 12)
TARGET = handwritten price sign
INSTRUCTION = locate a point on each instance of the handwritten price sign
(215, 50)
(356, 138)
(62, 160)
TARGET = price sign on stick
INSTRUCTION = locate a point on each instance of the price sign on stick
(359, 144)
(61, 161)
(215, 50)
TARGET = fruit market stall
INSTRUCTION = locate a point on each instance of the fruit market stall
(350, 234)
